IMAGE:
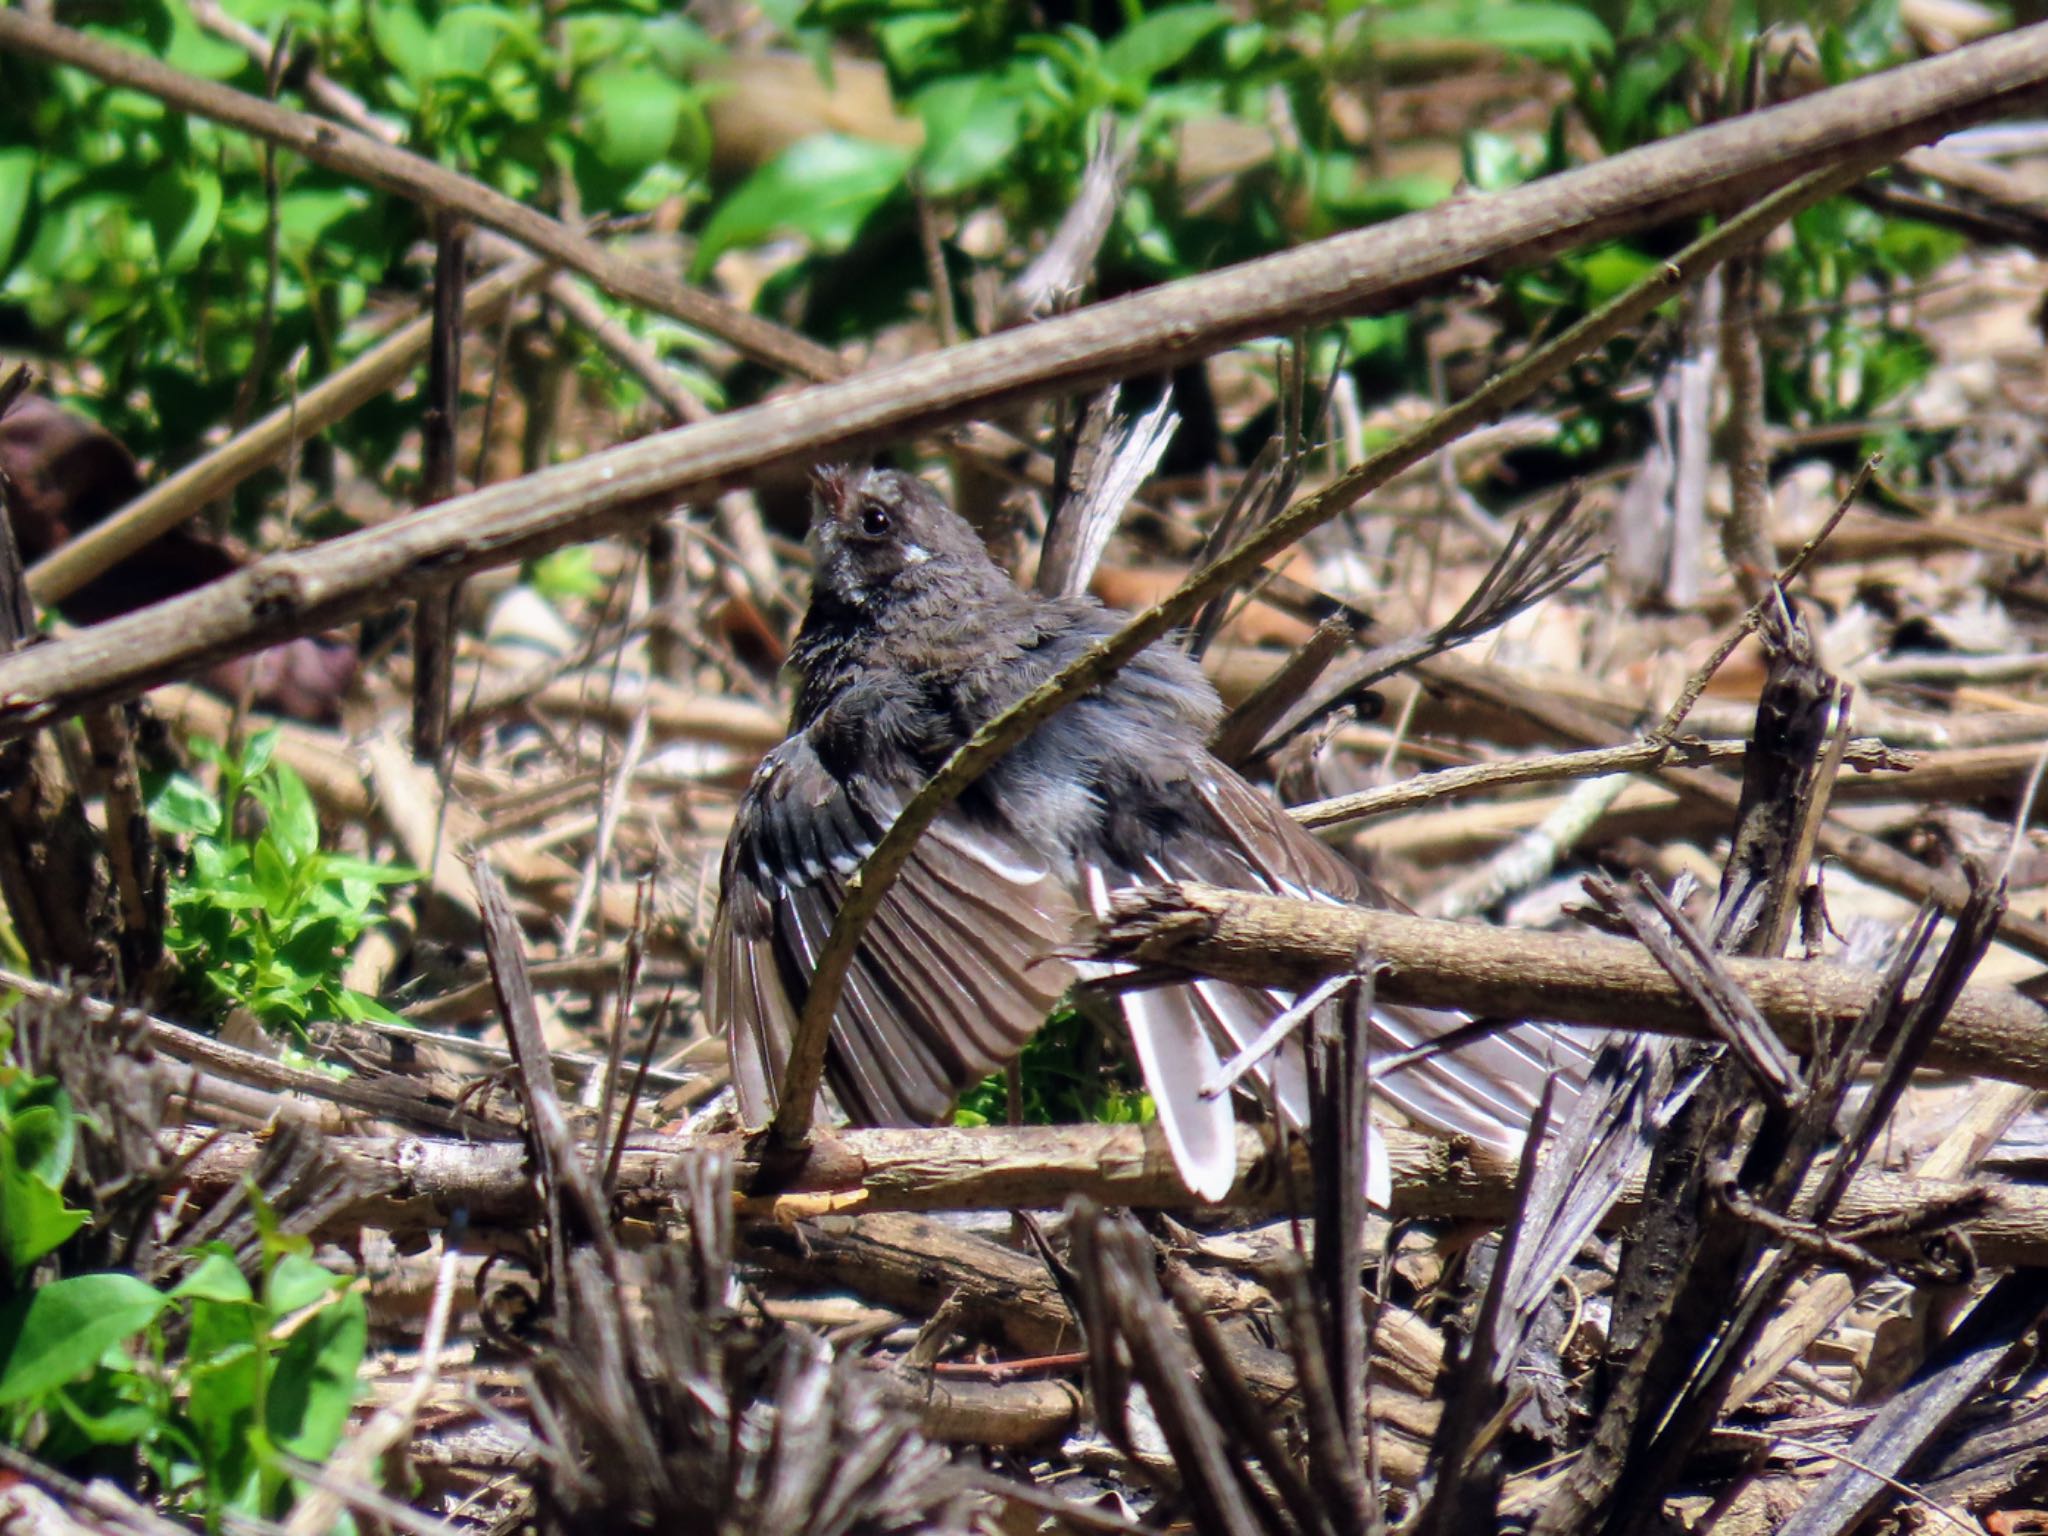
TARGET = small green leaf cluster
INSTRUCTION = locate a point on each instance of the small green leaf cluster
(265, 919)
(1849, 361)
(1011, 109)
(567, 575)
(602, 102)
(208, 1385)
(138, 240)
(1008, 112)
(1063, 1081)
(1670, 66)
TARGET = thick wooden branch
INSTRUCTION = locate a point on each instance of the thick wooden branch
(1366, 271)
(414, 1182)
(1568, 978)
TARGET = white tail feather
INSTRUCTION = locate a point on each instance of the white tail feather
(1176, 1057)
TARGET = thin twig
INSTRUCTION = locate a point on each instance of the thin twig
(1746, 626)
(1531, 565)
(17, 383)
(334, 99)
(630, 964)
(1746, 536)
(944, 315)
(613, 339)
(251, 386)
(433, 625)
(610, 805)
(1770, 1438)
(639, 1087)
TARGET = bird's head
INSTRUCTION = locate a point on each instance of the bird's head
(878, 535)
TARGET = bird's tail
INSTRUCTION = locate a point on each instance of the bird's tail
(1483, 1083)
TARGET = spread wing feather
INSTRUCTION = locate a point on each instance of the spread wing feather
(1486, 1088)
(951, 980)
(742, 991)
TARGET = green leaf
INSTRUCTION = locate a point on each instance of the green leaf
(182, 808)
(1542, 30)
(786, 15)
(972, 125)
(310, 955)
(257, 754)
(315, 1384)
(469, 39)
(919, 42)
(294, 824)
(1243, 44)
(40, 1120)
(1495, 161)
(297, 1281)
(1374, 336)
(17, 185)
(342, 866)
(680, 45)
(224, 1377)
(360, 1008)
(34, 1218)
(273, 879)
(594, 39)
(632, 115)
(1342, 190)
(565, 574)
(1915, 250)
(1155, 43)
(100, 1415)
(821, 188)
(223, 1331)
(60, 1330)
(1612, 269)
(216, 1277)
(404, 41)
(182, 208)
(304, 218)
(37, 1129)
(198, 52)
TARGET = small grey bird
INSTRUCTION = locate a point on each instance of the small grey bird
(913, 640)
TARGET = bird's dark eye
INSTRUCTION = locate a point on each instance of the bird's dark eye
(874, 520)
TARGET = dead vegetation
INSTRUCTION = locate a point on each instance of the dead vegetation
(1757, 808)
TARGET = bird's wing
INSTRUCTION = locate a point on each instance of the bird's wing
(954, 974)
(1486, 1088)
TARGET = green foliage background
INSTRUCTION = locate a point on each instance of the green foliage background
(150, 254)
